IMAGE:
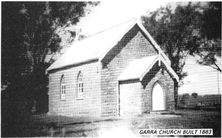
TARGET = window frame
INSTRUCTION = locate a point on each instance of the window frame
(62, 88)
(80, 86)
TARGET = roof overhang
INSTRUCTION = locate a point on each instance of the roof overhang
(72, 65)
(138, 68)
(62, 62)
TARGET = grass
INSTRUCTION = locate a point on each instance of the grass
(182, 119)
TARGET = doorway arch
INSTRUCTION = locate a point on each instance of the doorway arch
(158, 101)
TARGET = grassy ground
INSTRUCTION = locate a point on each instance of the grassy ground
(183, 119)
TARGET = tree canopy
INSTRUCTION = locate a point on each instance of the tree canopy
(187, 30)
(210, 47)
(29, 33)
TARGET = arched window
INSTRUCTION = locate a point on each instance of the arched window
(62, 88)
(80, 85)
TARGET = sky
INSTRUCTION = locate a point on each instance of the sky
(200, 79)
(110, 13)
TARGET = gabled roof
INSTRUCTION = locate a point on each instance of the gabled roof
(138, 68)
(97, 46)
(92, 47)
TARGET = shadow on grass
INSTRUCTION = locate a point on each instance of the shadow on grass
(172, 113)
(204, 108)
(66, 120)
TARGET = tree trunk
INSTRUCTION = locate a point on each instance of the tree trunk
(176, 86)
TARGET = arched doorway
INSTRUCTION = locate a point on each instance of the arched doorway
(158, 102)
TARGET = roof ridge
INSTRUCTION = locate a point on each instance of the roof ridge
(113, 27)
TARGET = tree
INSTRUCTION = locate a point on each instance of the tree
(29, 33)
(176, 32)
(210, 48)
(179, 32)
(194, 95)
(211, 27)
(184, 99)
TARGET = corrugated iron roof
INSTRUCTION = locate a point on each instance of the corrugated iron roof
(98, 45)
(137, 68)
(92, 47)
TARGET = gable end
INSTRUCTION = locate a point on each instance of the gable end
(138, 41)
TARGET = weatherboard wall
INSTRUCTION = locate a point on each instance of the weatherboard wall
(136, 96)
(89, 105)
(100, 96)
(161, 75)
(132, 46)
